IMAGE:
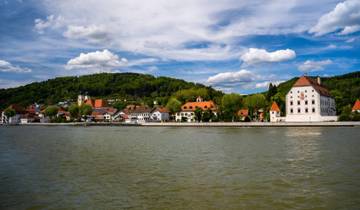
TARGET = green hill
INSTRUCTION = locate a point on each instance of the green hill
(129, 86)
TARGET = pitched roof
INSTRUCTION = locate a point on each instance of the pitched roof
(308, 81)
(89, 102)
(100, 103)
(161, 110)
(204, 105)
(137, 109)
(275, 107)
(356, 106)
(243, 112)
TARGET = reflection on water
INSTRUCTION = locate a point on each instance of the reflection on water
(179, 168)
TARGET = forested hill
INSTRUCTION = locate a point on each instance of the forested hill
(344, 88)
(130, 86)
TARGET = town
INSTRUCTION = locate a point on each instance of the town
(307, 101)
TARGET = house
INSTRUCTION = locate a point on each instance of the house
(136, 113)
(14, 119)
(356, 107)
(187, 112)
(103, 114)
(243, 114)
(275, 113)
(309, 101)
(99, 103)
(63, 114)
(160, 114)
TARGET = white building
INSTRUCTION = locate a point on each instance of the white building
(160, 114)
(275, 113)
(309, 101)
(187, 112)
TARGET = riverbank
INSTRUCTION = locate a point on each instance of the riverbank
(203, 124)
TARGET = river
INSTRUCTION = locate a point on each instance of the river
(179, 168)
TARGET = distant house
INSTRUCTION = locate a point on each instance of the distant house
(19, 110)
(275, 113)
(243, 114)
(103, 114)
(187, 112)
(64, 114)
(160, 114)
(356, 107)
(309, 101)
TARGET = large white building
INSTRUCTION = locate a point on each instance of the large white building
(309, 101)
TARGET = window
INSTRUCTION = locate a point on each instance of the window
(313, 102)
(299, 110)
(291, 103)
(298, 91)
(291, 110)
(190, 107)
(306, 102)
(312, 91)
(305, 91)
(273, 112)
(306, 110)
(313, 110)
(205, 107)
(291, 92)
(185, 107)
(298, 102)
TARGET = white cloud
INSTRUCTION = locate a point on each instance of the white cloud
(50, 22)
(92, 33)
(254, 55)
(310, 65)
(232, 78)
(350, 29)
(101, 60)
(8, 67)
(345, 16)
(162, 29)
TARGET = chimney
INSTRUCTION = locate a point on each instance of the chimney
(319, 80)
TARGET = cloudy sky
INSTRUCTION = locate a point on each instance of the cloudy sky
(233, 45)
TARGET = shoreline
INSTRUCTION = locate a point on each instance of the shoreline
(202, 124)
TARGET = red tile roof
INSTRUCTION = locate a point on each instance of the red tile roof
(89, 102)
(243, 112)
(307, 81)
(275, 107)
(204, 105)
(162, 110)
(356, 106)
(100, 103)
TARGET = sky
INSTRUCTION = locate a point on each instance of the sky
(232, 45)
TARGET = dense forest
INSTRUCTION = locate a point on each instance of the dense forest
(130, 86)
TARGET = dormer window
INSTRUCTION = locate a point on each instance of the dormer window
(185, 107)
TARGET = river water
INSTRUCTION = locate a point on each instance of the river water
(179, 168)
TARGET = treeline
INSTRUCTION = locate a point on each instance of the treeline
(137, 88)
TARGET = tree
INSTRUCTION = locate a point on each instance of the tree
(51, 111)
(74, 111)
(119, 105)
(198, 114)
(271, 92)
(173, 105)
(230, 104)
(207, 115)
(255, 101)
(9, 112)
(85, 110)
(345, 113)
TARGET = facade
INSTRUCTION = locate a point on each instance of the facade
(187, 112)
(356, 107)
(160, 114)
(136, 113)
(309, 101)
(275, 113)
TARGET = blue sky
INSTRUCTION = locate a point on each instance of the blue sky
(233, 45)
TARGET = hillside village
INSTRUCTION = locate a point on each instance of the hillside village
(307, 101)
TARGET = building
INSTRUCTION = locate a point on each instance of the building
(187, 112)
(243, 114)
(356, 107)
(309, 101)
(136, 113)
(275, 113)
(19, 111)
(160, 114)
